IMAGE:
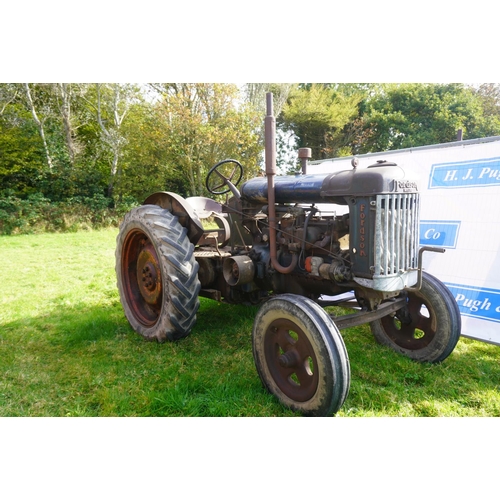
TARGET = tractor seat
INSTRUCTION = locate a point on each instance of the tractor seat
(206, 208)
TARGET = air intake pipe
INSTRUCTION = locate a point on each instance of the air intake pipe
(270, 145)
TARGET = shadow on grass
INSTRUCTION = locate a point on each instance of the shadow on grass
(86, 361)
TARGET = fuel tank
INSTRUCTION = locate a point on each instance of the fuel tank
(381, 178)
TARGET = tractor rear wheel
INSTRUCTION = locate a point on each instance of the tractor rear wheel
(300, 356)
(427, 329)
(157, 274)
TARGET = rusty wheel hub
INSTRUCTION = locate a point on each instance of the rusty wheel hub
(148, 276)
(415, 327)
(142, 277)
(291, 360)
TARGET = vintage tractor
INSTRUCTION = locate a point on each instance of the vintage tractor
(278, 242)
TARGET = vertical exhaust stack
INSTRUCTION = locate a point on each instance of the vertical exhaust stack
(304, 155)
(270, 136)
(270, 146)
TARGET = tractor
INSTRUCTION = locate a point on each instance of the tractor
(293, 245)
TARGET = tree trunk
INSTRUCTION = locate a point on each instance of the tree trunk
(114, 170)
(112, 135)
(39, 124)
(66, 117)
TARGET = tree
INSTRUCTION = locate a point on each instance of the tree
(39, 124)
(202, 124)
(416, 114)
(64, 91)
(147, 161)
(489, 95)
(255, 94)
(110, 121)
(22, 159)
(50, 121)
(317, 114)
(8, 94)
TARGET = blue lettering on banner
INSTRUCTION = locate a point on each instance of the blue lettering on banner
(470, 173)
(481, 303)
(439, 233)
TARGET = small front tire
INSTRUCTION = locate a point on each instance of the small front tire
(427, 329)
(300, 356)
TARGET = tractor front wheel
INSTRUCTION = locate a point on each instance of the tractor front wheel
(427, 329)
(157, 274)
(300, 356)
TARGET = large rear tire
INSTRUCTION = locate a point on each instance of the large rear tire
(157, 274)
(427, 329)
(300, 356)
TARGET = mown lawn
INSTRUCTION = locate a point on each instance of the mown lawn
(66, 349)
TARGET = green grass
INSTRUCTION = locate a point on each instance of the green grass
(66, 349)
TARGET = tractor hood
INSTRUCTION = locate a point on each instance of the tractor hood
(381, 178)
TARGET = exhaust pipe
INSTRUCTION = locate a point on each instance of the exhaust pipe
(270, 146)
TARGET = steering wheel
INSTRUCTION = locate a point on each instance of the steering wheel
(219, 176)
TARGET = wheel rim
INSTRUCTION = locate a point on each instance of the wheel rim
(141, 276)
(291, 360)
(415, 327)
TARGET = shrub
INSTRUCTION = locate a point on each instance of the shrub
(37, 214)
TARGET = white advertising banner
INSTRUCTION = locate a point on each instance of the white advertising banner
(460, 211)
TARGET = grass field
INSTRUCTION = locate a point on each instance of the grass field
(66, 349)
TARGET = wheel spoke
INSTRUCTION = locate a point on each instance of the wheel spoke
(305, 376)
(224, 179)
(230, 178)
(217, 170)
(218, 186)
(425, 324)
(289, 353)
(414, 330)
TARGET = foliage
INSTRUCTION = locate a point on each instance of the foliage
(116, 140)
(21, 154)
(65, 141)
(286, 141)
(318, 114)
(37, 214)
(410, 115)
(346, 119)
(201, 126)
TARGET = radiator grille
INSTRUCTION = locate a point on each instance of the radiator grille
(396, 234)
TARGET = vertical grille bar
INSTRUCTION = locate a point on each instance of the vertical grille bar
(397, 203)
(413, 235)
(392, 242)
(378, 234)
(404, 234)
(396, 233)
(387, 214)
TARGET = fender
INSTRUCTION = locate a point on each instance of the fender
(181, 208)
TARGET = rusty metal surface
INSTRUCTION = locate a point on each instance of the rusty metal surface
(417, 327)
(356, 319)
(179, 207)
(143, 285)
(291, 360)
